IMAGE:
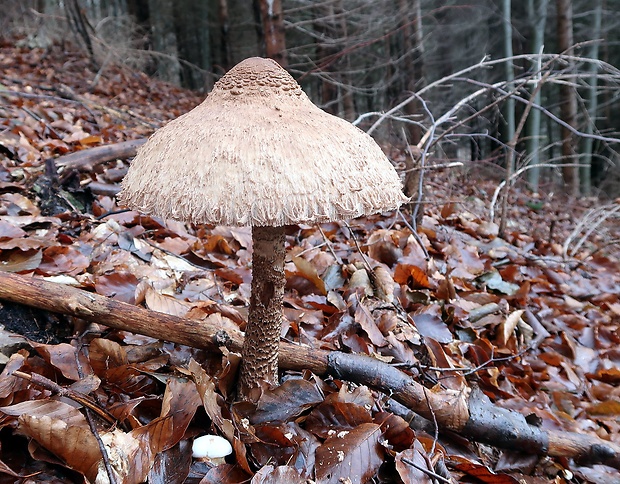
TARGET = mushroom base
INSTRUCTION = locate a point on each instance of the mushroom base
(262, 334)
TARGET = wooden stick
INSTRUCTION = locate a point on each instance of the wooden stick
(86, 159)
(469, 413)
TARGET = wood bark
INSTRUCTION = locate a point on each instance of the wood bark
(326, 51)
(191, 18)
(469, 413)
(85, 160)
(164, 40)
(262, 335)
(411, 26)
(592, 97)
(568, 96)
(537, 16)
(272, 20)
(224, 41)
(510, 76)
(244, 34)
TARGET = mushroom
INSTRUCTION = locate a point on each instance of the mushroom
(211, 448)
(258, 152)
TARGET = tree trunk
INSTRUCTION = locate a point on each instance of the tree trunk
(243, 34)
(510, 77)
(262, 334)
(194, 44)
(326, 50)
(346, 86)
(272, 20)
(411, 27)
(164, 40)
(224, 41)
(537, 21)
(568, 96)
(592, 96)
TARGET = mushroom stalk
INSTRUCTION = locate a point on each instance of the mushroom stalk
(262, 335)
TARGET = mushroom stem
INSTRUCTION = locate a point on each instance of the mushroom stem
(262, 334)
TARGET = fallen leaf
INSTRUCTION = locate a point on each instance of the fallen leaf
(355, 455)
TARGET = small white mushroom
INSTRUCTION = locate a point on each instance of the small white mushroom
(211, 448)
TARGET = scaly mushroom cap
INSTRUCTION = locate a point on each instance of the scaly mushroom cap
(258, 152)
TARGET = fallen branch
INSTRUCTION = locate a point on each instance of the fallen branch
(467, 412)
(84, 160)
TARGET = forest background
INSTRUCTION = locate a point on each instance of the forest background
(530, 85)
(503, 277)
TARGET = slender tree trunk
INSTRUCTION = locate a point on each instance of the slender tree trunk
(410, 14)
(510, 77)
(164, 40)
(273, 30)
(568, 96)
(411, 27)
(348, 103)
(222, 12)
(194, 42)
(244, 33)
(326, 50)
(537, 20)
(139, 10)
(588, 143)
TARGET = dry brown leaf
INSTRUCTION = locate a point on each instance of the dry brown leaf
(411, 276)
(163, 303)
(507, 327)
(211, 400)
(411, 465)
(360, 279)
(308, 271)
(130, 458)
(384, 284)
(270, 475)
(355, 455)
(365, 319)
(62, 430)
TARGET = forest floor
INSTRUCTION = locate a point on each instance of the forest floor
(532, 319)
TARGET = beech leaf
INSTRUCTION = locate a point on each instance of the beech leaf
(355, 455)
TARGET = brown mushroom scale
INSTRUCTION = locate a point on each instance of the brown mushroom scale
(258, 152)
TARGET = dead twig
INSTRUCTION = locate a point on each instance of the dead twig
(78, 397)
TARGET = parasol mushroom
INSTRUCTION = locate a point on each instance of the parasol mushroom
(258, 152)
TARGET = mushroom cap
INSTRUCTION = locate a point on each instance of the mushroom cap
(211, 447)
(258, 152)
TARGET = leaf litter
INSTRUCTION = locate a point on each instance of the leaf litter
(534, 331)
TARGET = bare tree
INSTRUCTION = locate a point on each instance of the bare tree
(592, 96)
(537, 19)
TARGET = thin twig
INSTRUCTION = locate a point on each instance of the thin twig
(93, 427)
(435, 424)
(438, 166)
(78, 397)
(512, 144)
(359, 249)
(329, 246)
(428, 472)
(415, 235)
(485, 62)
